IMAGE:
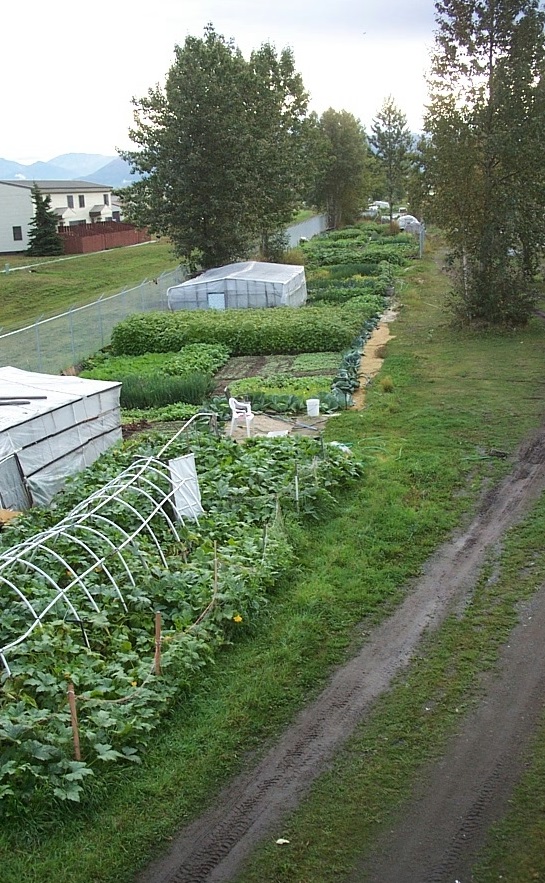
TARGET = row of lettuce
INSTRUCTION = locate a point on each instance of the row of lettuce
(209, 585)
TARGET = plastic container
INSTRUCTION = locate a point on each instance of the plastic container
(313, 407)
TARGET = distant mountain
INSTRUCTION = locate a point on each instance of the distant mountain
(116, 173)
(11, 171)
(80, 164)
(67, 167)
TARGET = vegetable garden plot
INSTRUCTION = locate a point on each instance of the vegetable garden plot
(206, 578)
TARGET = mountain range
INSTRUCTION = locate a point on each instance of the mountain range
(93, 167)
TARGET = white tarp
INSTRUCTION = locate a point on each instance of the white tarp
(58, 426)
(185, 483)
(242, 285)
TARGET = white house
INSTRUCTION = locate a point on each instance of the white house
(74, 202)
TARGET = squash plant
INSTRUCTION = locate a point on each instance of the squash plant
(217, 581)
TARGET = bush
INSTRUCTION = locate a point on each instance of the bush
(201, 357)
(244, 332)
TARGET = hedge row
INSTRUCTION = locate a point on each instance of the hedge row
(244, 332)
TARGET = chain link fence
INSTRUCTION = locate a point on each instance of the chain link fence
(53, 345)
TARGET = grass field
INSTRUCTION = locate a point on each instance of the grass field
(56, 285)
(455, 399)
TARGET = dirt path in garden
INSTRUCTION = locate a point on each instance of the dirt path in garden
(373, 356)
(462, 794)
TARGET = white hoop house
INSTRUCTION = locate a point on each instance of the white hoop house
(55, 572)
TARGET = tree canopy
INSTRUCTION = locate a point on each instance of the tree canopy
(221, 149)
(483, 157)
(392, 143)
(344, 178)
(43, 237)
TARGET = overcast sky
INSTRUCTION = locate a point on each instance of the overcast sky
(69, 71)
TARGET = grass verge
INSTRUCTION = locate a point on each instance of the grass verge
(56, 285)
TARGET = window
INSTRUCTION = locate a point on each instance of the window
(106, 198)
(70, 201)
(81, 200)
(17, 234)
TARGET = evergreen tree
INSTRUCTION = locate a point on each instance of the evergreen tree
(392, 143)
(218, 148)
(43, 237)
(484, 162)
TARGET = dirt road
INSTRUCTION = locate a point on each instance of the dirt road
(470, 785)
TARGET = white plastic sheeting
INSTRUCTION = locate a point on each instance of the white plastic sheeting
(239, 286)
(185, 483)
(93, 537)
(60, 426)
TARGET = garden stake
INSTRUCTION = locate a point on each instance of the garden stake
(297, 488)
(74, 719)
(157, 643)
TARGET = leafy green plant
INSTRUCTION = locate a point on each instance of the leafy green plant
(244, 332)
(216, 579)
(206, 358)
(316, 362)
(280, 383)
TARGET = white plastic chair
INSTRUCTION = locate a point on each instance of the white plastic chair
(240, 411)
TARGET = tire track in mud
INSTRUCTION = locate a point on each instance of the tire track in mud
(214, 846)
(440, 830)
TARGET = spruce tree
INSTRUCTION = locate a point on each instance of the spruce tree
(43, 237)
(392, 143)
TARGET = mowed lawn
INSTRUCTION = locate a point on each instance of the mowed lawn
(52, 286)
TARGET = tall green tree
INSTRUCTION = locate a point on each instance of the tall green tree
(42, 236)
(484, 160)
(392, 143)
(343, 180)
(218, 148)
(281, 139)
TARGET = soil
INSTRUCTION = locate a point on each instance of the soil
(437, 836)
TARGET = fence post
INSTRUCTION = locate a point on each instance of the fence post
(71, 326)
(38, 349)
(74, 719)
(157, 663)
(100, 323)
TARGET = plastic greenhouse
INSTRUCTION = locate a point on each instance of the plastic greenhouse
(55, 569)
(242, 285)
(50, 428)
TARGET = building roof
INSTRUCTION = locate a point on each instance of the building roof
(61, 186)
(64, 212)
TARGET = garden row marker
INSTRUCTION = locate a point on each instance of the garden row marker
(74, 719)
(157, 643)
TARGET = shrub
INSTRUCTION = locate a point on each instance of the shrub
(202, 357)
(245, 332)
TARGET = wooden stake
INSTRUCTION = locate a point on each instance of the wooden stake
(74, 719)
(157, 643)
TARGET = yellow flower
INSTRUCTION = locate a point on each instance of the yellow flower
(134, 683)
(237, 618)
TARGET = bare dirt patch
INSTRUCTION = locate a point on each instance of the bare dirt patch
(214, 846)
(373, 356)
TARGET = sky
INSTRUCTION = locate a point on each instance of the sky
(68, 72)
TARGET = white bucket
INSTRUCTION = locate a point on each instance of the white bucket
(313, 407)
